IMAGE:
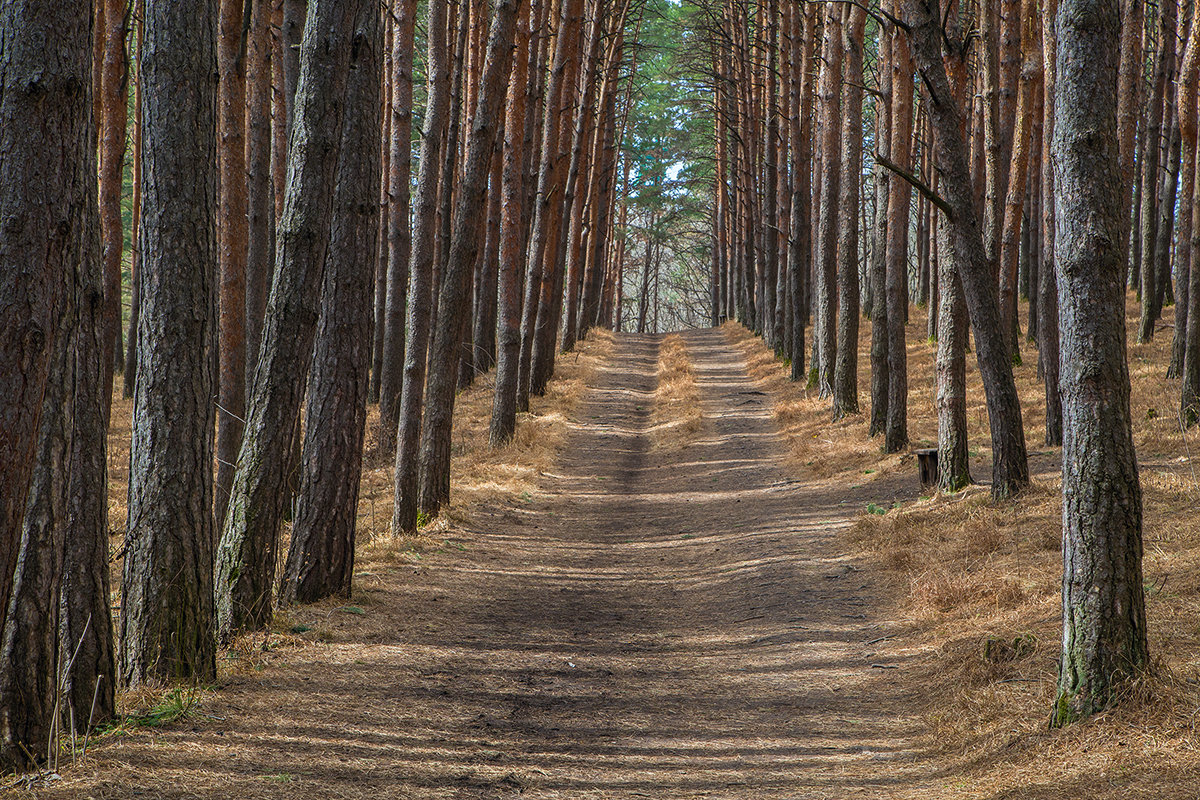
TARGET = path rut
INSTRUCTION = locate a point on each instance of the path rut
(653, 623)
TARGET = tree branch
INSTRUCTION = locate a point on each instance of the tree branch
(916, 183)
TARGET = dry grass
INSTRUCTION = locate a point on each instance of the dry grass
(479, 474)
(975, 585)
(676, 416)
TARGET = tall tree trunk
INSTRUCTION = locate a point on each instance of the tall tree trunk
(896, 288)
(845, 379)
(112, 125)
(135, 289)
(399, 230)
(512, 238)
(45, 180)
(87, 680)
(1183, 242)
(1104, 616)
(166, 598)
(1163, 66)
(452, 322)
(826, 256)
(245, 569)
(320, 560)
(1018, 174)
(1010, 466)
(260, 187)
(1047, 274)
(1129, 91)
(232, 232)
(877, 271)
(404, 515)
(800, 245)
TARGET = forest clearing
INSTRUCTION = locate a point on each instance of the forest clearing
(599, 398)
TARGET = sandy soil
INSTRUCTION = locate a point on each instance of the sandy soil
(664, 622)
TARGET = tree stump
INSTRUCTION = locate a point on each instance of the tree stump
(927, 467)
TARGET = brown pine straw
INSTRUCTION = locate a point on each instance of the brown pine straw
(676, 417)
(974, 587)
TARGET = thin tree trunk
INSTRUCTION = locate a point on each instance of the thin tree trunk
(845, 379)
(112, 123)
(404, 516)
(826, 255)
(1048, 337)
(260, 187)
(399, 229)
(1163, 66)
(232, 232)
(877, 270)
(896, 432)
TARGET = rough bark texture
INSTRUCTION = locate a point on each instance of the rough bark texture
(954, 468)
(320, 560)
(88, 678)
(167, 602)
(825, 258)
(800, 245)
(895, 436)
(45, 100)
(1010, 466)
(1188, 74)
(404, 515)
(1104, 617)
(112, 124)
(246, 556)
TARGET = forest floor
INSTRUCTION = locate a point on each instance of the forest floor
(683, 581)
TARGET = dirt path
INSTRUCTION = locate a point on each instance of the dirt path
(653, 624)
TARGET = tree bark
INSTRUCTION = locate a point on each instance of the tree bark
(232, 232)
(1163, 65)
(895, 437)
(399, 231)
(845, 376)
(245, 568)
(167, 601)
(1104, 618)
(1010, 467)
(112, 122)
(452, 322)
(404, 515)
(320, 560)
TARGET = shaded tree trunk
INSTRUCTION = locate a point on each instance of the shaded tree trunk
(245, 568)
(1104, 618)
(320, 560)
(166, 591)
(845, 377)
(404, 515)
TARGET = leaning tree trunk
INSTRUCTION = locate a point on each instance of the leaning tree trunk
(1104, 615)
(452, 321)
(167, 601)
(1010, 466)
(245, 568)
(320, 560)
(404, 514)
